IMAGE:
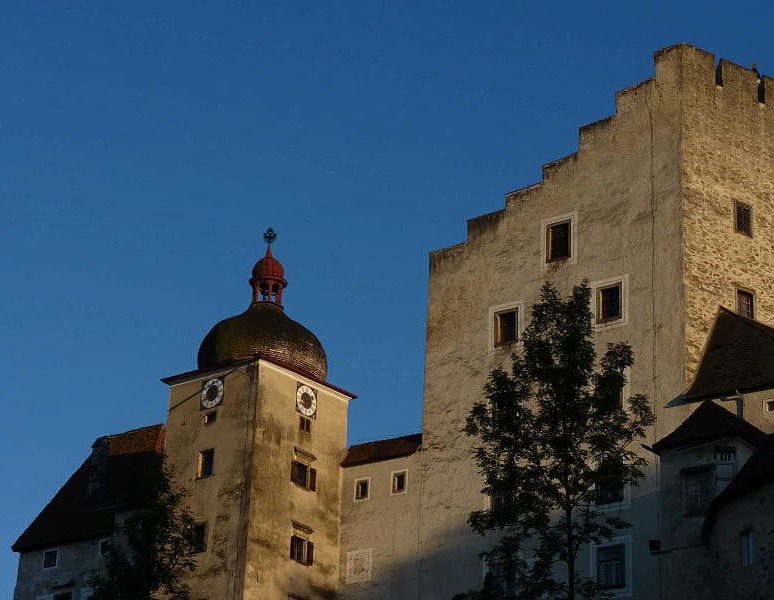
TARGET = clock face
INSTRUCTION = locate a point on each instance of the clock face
(306, 400)
(212, 393)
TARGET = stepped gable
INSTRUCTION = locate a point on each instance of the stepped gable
(757, 471)
(739, 356)
(710, 422)
(76, 514)
(379, 450)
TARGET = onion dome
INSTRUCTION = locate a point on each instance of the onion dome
(264, 329)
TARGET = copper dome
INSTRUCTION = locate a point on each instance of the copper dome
(263, 329)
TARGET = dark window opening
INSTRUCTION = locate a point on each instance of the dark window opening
(104, 547)
(50, 558)
(301, 550)
(745, 304)
(743, 218)
(506, 330)
(399, 482)
(609, 307)
(210, 417)
(206, 463)
(697, 488)
(361, 489)
(305, 424)
(303, 475)
(63, 596)
(558, 241)
(199, 538)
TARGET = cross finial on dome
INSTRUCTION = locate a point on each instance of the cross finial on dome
(269, 236)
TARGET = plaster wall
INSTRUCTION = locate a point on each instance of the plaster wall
(384, 529)
(623, 188)
(76, 563)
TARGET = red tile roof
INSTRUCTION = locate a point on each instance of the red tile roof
(72, 515)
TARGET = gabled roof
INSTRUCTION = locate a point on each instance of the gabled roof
(370, 452)
(739, 356)
(707, 423)
(130, 459)
(757, 471)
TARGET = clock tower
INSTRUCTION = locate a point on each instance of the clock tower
(257, 435)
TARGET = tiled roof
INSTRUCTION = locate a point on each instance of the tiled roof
(739, 357)
(370, 452)
(71, 515)
(757, 471)
(707, 423)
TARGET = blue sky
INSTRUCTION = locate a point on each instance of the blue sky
(145, 148)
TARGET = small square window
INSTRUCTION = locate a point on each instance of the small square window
(768, 407)
(558, 241)
(746, 544)
(50, 558)
(611, 567)
(398, 482)
(506, 330)
(303, 475)
(210, 417)
(609, 305)
(362, 488)
(745, 303)
(199, 538)
(206, 463)
(305, 424)
(301, 550)
(743, 218)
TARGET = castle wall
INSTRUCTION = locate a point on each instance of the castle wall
(622, 190)
(379, 535)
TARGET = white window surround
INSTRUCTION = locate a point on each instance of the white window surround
(603, 283)
(518, 305)
(572, 217)
(392, 482)
(354, 493)
(626, 540)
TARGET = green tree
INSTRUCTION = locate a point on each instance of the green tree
(553, 435)
(150, 552)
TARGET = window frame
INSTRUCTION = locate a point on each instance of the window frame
(494, 344)
(626, 542)
(742, 292)
(305, 478)
(545, 261)
(304, 424)
(747, 547)
(767, 405)
(367, 496)
(202, 462)
(393, 490)
(56, 558)
(209, 417)
(199, 526)
(739, 205)
(601, 324)
(301, 549)
(707, 472)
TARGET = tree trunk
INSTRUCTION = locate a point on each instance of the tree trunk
(570, 555)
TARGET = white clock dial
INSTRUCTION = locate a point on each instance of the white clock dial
(212, 393)
(306, 400)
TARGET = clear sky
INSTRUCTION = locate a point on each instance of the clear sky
(145, 147)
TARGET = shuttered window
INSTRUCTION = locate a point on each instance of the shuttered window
(745, 304)
(743, 218)
(558, 241)
(301, 550)
(303, 475)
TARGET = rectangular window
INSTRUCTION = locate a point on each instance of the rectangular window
(697, 488)
(501, 579)
(301, 550)
(398, 482)
(210, 417)
(609, 305)
(50, 558)
(743, 218)
(362, 488)
(104, 547)
(63, 596)
(305, 424)
(206, 462)
(303, 475)
(611, 567)
(768, 407)
(746, 546)
(558, 241)
(199, 538)
(506, 330)
(745, 304)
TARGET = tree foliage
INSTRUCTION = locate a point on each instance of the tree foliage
(552, 434)
(150, 553)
